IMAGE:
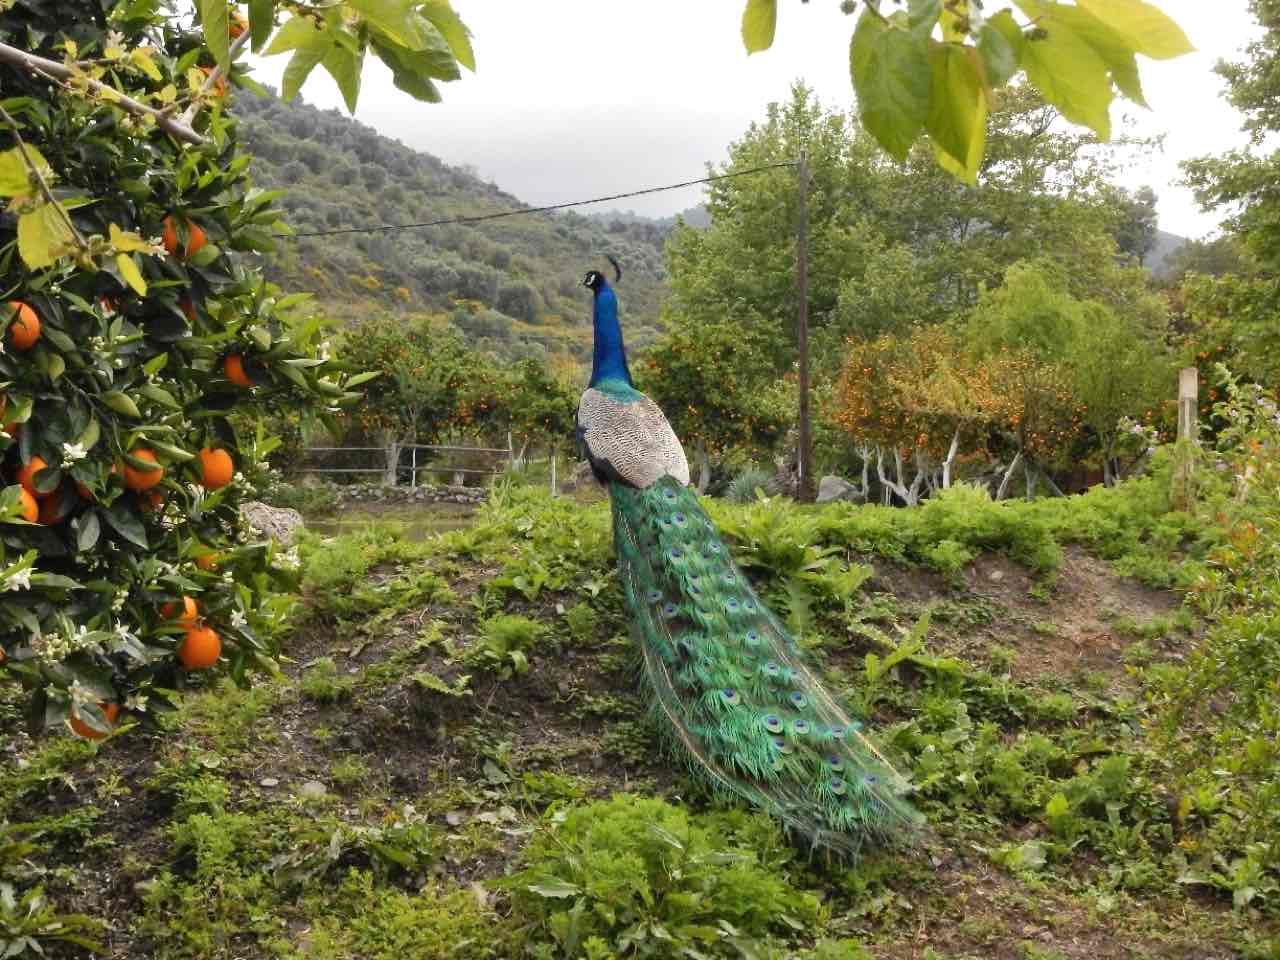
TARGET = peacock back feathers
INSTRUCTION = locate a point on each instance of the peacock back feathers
(730, 685)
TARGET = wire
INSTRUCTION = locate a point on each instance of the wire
(381, 227)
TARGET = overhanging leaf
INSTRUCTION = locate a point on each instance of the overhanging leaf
(759, 22)
(890, 68)
(344, 66)
(1070, 75)
(132, 275)
(394, 18)
(1000, 44)
(304, 60)
(15, 175)
(297, 32)
(214, 15)
(453, 30)
(261, 22)
(1147, 29)
(957, 121)
(43, 236)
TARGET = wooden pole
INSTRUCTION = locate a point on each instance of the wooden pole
(804, 493)
(1183, 494)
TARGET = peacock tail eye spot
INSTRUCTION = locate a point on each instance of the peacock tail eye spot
(680, 518)
(837, 732)
(870, 779)
(730, 696)
(713, 549)
(772, 724)
(801, 727)
(655, 596)
(855, 725)
(798, 699)
(752, 638)
(675, 553)
(836, 785)
(670, 610)
(669, 495)
(748, 606)
(835, 763)
(771, 668)
(730, 579)
(731, 604)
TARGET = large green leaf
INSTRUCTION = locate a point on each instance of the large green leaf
(213, 13)
(1000, 45)
(890, 68)
(1115, 51)
(957, 121)
(43, 236)
(304, 60)
(261, 22)
(15, 175)
(1071, 75)
(759, 21)
(131, 274)
(297, 32)
(1148, 30)
(396, 19)
(125, 522)
(922, 15)
(344, 66)
(453, 30)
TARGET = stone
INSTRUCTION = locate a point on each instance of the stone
(279, 523)
(269, 782)
(832, 488)
(312, 790)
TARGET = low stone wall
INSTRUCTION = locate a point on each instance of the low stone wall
(424, 493)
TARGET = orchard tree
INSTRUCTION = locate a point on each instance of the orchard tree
(711, 383)
(137, 334)
(535, 404)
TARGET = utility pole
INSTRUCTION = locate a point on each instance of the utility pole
(804, 493)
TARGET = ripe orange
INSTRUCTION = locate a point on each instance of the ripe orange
(136, 479)
(208, 560)
(151, 501)
(233, 368)
(24, 328)
(200, 649)
(189, 611)
(219, 85)
(30, 509)
(196, 237)
(237, 25)
(109, 710)
(216, 468)
(26, 476)
(52, 510)
(187, 307)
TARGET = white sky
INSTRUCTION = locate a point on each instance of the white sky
(582, 98)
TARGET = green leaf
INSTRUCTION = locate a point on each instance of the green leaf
(890, 68)
(132, 275)
(159, 395)
(957, 121)
(87, 529)
(1000, 44)
(121, 403)
(15, 179)
(261, 22)
(43, 236)
(396, 19)
(759, 22)
(1148, 31)
(1070, 75)
(155, 364)
(56, 366)
(922, 15)
(555, 888)
(126, 523)
(406, 75)
(453, 30)
(169, 450)
(303, 61)
(213, 13)
(298, 32)
(344, 67)
(1114, 50)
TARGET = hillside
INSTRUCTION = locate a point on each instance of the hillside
(1165, 244)
(511, 284)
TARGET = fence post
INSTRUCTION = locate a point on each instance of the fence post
(1183, 493)
(413, 477)
(553, 471)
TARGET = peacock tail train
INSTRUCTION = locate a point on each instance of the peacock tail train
(731, 688)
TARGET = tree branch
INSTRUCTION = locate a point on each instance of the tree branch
(23, 60)
(214, 76)
(45, 191)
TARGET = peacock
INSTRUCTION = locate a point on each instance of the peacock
(727, 682)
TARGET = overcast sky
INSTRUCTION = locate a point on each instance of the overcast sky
(582, 98)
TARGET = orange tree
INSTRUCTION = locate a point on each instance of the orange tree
(536, 404)
(135, 330)
(710, 381)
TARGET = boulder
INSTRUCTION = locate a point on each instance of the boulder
(279, 523)
(832, 488)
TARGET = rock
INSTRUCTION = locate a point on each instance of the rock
(268, 782)
(279, 523)
(832, 488)
(312, 790)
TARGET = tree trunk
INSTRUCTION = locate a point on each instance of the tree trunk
(866, 469)
(951, 458)
(391, 449)
(1053, 487)
(704, 469)
(1003, 489)
(1029, 477)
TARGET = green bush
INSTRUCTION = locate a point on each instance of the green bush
(641, 877)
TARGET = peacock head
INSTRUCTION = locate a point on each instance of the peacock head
(595, 280)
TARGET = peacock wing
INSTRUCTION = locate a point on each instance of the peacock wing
(629, 440)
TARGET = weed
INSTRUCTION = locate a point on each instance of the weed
(350, 772)
(504, 644)
(322, 683)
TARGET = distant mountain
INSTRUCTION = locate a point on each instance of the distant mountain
(1166, 243)
(511, 284)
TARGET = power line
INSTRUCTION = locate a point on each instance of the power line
(387, 227)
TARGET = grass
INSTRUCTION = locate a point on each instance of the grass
(494, 789)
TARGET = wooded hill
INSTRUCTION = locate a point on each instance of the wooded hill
(512, 285)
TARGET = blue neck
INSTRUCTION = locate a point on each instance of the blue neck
(609, 359)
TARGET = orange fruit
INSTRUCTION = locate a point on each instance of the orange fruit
(52, 510)
(26, 476)
(208, 560)
(219, 85)
(151, 501)
(189, 611)
(84, 491)
(216, 468)
(200, 649)
(196, 237)
(30, 509)
(136, 479)
(233, 368)
(24, 328)
(237, 25)
(187, 307)
(109, 710)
